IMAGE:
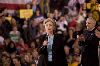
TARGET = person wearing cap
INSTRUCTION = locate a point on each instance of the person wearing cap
(52, 45)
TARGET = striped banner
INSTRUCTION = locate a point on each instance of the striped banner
(12, 5)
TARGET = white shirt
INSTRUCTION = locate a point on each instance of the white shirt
(49, 47)
(61, 25)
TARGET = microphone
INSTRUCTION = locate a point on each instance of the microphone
(45, 39)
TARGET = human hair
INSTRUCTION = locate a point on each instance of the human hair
(50, 20)
(18, 58)
(91, 19)
(11, 42)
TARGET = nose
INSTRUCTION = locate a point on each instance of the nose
(88, 23)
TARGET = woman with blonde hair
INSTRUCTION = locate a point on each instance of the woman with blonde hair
(52, 45)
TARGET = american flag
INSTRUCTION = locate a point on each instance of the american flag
(12, 5)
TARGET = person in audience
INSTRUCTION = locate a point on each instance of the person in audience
(11, 48)
(14, 34)
(21, 46)
(90, 52)
(17, 61)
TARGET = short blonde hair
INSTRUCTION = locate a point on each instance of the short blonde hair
(50, 20)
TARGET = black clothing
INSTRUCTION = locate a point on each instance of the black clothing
(58, 55)
(90, 53)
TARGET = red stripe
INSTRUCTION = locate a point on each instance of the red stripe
(12, 6)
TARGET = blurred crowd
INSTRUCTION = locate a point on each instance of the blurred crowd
(19, 43)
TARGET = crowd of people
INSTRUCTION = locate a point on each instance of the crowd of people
(68, 36)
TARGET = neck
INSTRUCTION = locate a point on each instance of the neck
(18, 65)
(15, 31)
(50, 33)
(90, 29)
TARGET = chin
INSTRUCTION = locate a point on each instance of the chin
(49, 31)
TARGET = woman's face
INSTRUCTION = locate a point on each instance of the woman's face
(51, 15)
(21, 41)
(13, 55)
(25, 23)
(49, 27)
(13, 21)
(56, 12)
(27, 59)
(14, 28)
(12, 45)
(35, 54)
(37, 13)
(15, 61)
(33, 45)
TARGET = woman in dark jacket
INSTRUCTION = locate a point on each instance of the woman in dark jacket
(52, 45)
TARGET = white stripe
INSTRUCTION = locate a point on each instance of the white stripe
(71, 2)
(15, 1)
(81, 1)
(10, 11)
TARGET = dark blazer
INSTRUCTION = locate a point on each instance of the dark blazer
(58, 54)
(41, 61)
(90, 53)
